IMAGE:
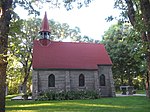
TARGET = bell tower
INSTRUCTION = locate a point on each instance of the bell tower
(45, 29)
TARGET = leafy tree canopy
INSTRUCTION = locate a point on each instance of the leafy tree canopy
(6, 12)
(137, 13)
(128, 55)
(21, 36)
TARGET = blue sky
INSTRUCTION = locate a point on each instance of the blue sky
(90, 20)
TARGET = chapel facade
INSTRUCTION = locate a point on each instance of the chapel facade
(70, 66)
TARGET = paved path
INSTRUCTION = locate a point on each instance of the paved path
(131, 95)
(20, 98)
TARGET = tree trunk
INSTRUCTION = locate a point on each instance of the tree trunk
(148, 75)
(2, 86)
(122, 80)
(130, 80)
(27, 69)
(145, 31)
(24, 83)
(5, 17)
(145, 9)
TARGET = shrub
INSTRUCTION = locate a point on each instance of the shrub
(69, 95)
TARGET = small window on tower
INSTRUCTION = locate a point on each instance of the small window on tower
(102, 80)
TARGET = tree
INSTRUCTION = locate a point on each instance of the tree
(14, 74)
(137, 12)
(6, 7)
(5, 17)
(21, 46)
(21, 36)
(126, 55)
(63, 31)
(21, 41)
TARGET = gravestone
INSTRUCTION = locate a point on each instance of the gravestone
(130, 90)
(123, 89)
(127, 90)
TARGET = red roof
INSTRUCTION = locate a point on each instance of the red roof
(69, 55)
(45, 25)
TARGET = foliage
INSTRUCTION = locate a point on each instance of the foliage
(137, 13)
(28, 5)
(6, 12)
(69, 95)
(68, 4)
(127, 55)
(63, 31)
(21, 37)
(118, 104)
(20, 45)
(14, 75)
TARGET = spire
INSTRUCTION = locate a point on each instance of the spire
(45, 29)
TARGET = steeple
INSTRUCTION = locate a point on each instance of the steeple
(45, 29)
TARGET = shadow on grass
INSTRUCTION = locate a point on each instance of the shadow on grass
(131, 104)
(74, 106)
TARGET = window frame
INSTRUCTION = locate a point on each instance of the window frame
(51, 80)
(81, 80)
(102, 80)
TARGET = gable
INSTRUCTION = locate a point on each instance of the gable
(69, 55)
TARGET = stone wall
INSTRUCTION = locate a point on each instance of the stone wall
(108, 90)
(89, 80)
(66, 80)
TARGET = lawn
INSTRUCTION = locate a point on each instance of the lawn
(118, 104)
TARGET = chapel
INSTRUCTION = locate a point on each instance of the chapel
(70, 66)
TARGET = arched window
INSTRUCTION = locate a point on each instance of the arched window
(81, 80)
(51, 80)
(102, 80)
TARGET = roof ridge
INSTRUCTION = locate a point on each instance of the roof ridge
(74, 42)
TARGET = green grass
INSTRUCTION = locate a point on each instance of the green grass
(140, 91)
(118, 104)
(10, 96)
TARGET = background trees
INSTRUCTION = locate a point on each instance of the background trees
(22, 33)
(6, 11)
(127, 54)
(137, 12)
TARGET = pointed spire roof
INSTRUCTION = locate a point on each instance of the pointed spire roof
(45, 25)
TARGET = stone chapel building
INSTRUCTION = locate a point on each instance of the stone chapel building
(67, 66)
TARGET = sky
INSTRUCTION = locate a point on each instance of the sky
(90, 20)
